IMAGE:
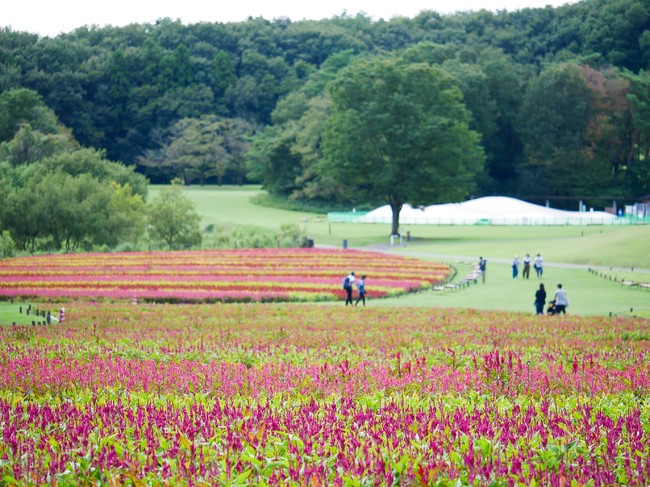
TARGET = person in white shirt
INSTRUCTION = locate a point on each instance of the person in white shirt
(561, 300)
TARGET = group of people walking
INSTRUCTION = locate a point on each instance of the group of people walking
(348, 287)
(525, 273)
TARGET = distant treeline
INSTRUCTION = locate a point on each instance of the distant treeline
(559, 97)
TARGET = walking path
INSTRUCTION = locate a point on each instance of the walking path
(396, 249)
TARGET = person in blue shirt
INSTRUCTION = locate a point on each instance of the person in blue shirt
(348, 284)
(515, 267)
(361, 287)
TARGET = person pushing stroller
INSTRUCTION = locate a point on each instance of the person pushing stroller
(559, 304)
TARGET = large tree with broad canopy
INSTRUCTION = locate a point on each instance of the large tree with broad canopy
(399, 133)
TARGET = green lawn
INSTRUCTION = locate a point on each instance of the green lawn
(231, 206)
(588, 294)
(618, 246)
(16, 312)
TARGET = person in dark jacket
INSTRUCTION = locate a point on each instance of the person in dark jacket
(348, 284)
(540, 299)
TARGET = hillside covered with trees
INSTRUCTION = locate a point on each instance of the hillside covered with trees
(550, 103)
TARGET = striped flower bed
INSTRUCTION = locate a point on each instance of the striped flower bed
(223, 275)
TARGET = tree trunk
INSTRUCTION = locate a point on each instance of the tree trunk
(396, 208)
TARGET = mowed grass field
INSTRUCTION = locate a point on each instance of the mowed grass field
(567, 251)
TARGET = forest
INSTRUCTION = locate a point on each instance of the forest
(542, 103)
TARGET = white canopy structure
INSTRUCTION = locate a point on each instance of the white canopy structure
(492, 210)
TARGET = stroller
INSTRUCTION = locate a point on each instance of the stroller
(550, 310)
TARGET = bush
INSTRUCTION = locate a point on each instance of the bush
(7, 245)
(222, 237)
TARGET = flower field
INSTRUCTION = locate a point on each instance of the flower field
(295, 394)
(223, 275)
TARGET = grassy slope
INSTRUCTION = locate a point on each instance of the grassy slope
(231, 206)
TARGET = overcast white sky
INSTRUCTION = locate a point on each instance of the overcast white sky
(52, 17)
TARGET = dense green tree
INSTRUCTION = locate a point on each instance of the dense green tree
(84, 212)
(430, 53)
(55, 210)
(95, 164)
(308, 141)
(262, 81)
(284, 156)
(68, 207)
(224, 73)
(191, 101)
(554, 117)
(6, 171)
(20, 216)
(399, 133)
(22, 106)
(236, 135)
(200, 148)
(574, 130)
(614, 27)
(30, 145)
(638, 155)
(177, 68)
(492, 86)
(57, 195)
(172, 219)
(607, 138)
(7, 245)
(313, 42)
(270, 161)
(477, 98)
(125, 217)
(506, 82)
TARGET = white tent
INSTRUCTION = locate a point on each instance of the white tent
(495, 210)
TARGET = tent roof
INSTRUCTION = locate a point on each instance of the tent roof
(498, 209)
